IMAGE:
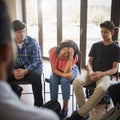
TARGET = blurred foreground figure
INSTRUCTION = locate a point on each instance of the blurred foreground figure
(10, 106)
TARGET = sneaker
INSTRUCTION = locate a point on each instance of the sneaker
(75, 116)
(64, 113)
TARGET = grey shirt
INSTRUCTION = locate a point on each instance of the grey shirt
(12, 109)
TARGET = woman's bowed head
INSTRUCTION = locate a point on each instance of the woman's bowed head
(67, 50)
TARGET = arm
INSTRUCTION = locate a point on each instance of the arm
(59, 73)
(69, 65)
(94, 76)
(112, 70)
(20, 73)
(35, 58)
(90, 69)
(89, 65)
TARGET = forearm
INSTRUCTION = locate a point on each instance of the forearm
(57, 72)
(35, 59)
(26, 71)
(109, 72)
(34, 66)
(89, 67)
(68, 67)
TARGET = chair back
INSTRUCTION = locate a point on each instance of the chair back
(79, 61)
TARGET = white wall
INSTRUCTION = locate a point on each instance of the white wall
(15, 9)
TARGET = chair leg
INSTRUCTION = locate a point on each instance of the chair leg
(44, 88)
(72, 100)
(44, 93)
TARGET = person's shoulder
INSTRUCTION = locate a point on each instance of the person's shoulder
(53, 49)
(23, 111)
(115, 44)
(97, 43)
(30, 40)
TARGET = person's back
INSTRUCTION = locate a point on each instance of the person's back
(10, 106)
(12, 109)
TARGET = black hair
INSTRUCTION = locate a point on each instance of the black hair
(5, 24)
(18, 25)
(108, 24)
(67, 43)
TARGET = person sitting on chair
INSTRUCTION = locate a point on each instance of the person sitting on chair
(63, 60)
(11, 108)
(113, 89)
(103, 61)
(28, 66)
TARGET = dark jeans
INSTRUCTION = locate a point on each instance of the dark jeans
(114, 92)
(34, 78)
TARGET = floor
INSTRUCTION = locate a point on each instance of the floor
(96, 113)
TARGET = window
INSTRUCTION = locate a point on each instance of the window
(71, 20)
(61, 19)
(49, 25)
(98, 11)
(32, 18)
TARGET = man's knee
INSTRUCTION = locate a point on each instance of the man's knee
(104, 83)
(35, 75)
(77, 83)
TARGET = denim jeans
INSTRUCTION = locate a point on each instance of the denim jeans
(56, 80)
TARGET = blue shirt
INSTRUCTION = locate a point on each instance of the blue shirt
(29, 55)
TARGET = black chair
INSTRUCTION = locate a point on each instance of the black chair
(47, 80)
(89, 91)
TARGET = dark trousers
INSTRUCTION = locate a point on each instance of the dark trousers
(114, 92)
(34, 78)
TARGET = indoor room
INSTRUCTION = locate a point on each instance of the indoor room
(83, 22)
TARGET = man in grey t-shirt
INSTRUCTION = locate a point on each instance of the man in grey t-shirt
(10, 106)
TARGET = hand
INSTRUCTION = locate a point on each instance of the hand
(71, 53)
(19, 73)
(94, 76)
(99, 74)
(68, 75)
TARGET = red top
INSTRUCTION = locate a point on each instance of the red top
(59, 64)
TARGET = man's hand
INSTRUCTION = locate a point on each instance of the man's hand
(19, 73)
(94, 76)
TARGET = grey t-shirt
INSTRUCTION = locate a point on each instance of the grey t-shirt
(12, 109)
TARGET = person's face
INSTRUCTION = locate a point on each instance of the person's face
(64, 53)
(106, 34)
(20, 35)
